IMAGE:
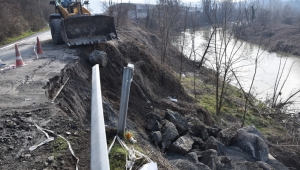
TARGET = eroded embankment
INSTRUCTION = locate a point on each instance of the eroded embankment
(151, 81)
(152, 84)
(71, 90)
(69, 114)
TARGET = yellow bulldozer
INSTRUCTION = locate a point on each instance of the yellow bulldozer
(74, 24)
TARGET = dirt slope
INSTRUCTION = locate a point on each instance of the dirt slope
(40, 82)
(60, 101)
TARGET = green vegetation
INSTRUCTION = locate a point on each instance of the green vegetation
(233, 106)
(208, 102)
(23, 35)
(60, 143)
(117, 157)
(57, 146)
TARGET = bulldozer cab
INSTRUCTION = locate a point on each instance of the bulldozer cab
(66, 3)
(78, 26)
(63, 3)
(69, 8)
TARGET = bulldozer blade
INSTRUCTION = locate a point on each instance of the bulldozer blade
(81, 30)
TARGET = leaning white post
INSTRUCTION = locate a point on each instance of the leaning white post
(127, 78)
(99, 154)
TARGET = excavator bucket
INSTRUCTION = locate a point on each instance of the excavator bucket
(81, 29)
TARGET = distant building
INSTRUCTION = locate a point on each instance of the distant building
(133, 10)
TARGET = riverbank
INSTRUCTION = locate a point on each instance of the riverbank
(275, 37)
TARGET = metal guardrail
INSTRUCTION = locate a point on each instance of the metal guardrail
(127, 78)
(99, 155)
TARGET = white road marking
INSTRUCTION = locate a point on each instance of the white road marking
(11, 45)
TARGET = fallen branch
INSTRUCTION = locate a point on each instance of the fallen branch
(60, 89)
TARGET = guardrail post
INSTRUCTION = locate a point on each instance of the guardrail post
(127, 78)
(99, 155)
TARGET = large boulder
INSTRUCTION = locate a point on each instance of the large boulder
(213, 131)
(185, 164)
(195, 126)
(264, 165)
(178, 120)
(241, 160)
(213, 143)
(153, 125)
(192, 156)
(211, 159)
(225, 136)
(225, 162)
(169, 133)
(198, 128)
(182, 145)
(251, 141)
(98, 57)
(197, 141)
(276, 164)
(202, 166)
(204, 134)
(252, 129)
(156, 137)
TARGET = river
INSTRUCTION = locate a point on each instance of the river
(268, 66)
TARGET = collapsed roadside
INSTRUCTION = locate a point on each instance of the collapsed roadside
(69, 115)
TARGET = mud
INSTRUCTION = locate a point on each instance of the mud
(54, 93)
(59, 88)
(24, 103)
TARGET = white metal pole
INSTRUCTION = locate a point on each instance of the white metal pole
(99, 154)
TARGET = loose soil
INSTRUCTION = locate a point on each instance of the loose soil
(31, 95)
(54, 93)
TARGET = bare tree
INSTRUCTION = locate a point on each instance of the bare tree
(108, 7)
(168, 12)
(207, 48)
(277, 101)
(193, 19)
(186, 12)
(220, 16)
(248, 95)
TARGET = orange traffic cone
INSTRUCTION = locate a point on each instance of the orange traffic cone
(38, 46)
(19, 60)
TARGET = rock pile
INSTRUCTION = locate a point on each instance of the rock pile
(193, 145)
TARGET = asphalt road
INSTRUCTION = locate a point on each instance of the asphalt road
(23, 86)
(26, 48)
